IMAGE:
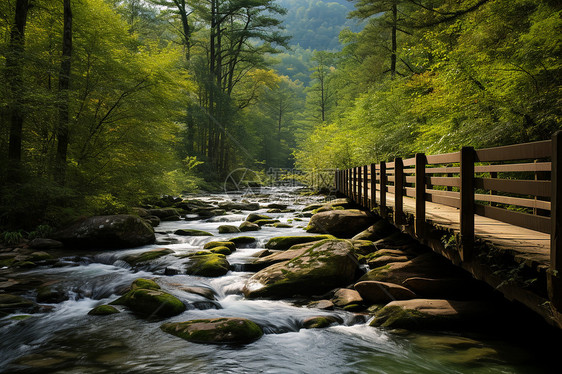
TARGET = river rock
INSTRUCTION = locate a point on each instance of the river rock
(165, 214)
(118, 231)
(363, 247)
(143, 257)
(228, 229)
(345, 296)
(340, 223)
(382, 292)
(262, 222)
(201, 291)
(103, 310)
(249, 226)
(229, 244)
(432, 314)
(142, 283)
(216, 331)
(51, 294)
(319, 322)
(242, 240)
(274, 258)
(151, 303)
(326, 265)
(192, 232)
(311, 207)
(221, 250)
(207, 265)
(286, 242)
(13, 303)
(321, 304)
(277, 206)
(230, 205)
(385, 260)
(42, 243)
(253, 217)
(382, 228)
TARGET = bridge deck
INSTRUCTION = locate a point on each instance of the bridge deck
(527, 246)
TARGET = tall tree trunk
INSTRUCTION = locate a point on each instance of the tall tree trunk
(14, 78)
(64, 83)
(394, 47)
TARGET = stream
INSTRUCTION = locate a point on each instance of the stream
(66, 339)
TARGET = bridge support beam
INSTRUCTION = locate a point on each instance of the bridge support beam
(467, 203)
(555, 270)
(420, 195)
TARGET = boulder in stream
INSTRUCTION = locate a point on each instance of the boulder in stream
(340, 223)
(253, 217)
(192, 232)
(382, 292)
(207, 265)
(228, 229)
(150, 302)
(216, 330)
(229, 244)
(249, 226)
(13, 303)
(285, 242)
(326, 265)
(319, 322)
(382, 228)
(139, 258)
(103, 310)
(117, 231)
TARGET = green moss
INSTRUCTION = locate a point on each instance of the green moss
(319, 322)
(191, 232)
(253, 217)
(142, 283)
(353, 307)
(208, 265)
(229, 244)
(151, 303)
(147, 256)
(397, 317)
(261, 222)
(215, 331)
(228, 229)
(243, 240)
(286, 242)
(21, 317)
(222, 250)
(40, 256)
(282, 225)
(103, 310)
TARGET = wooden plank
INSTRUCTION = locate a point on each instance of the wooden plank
(390, 165)
(390, 189)
(410, 171)
(410, 191)
(541, 149)
(467, 202)
(452, 194)
(420, 195)
(444, 181)
(382, 196)
(529, 221)
(408, 179)
(529, 203)
(555, 269)
(408, 162)
(523, 187)
(365, 188)
(398, 192)
(443, 170)
(454, 202)
(536, 166)
(445, 158)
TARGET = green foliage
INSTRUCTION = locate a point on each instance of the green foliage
(11, 237)
(41, 231)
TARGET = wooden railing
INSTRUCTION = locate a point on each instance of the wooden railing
(517, 184)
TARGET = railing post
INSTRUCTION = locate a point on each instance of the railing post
(365, 188)
(555, 270)
(336, 182)
(398, 191)
(359, 186)
(420, 194)
(467, 203)
(382, 181)
(354, 181)
(373, 186)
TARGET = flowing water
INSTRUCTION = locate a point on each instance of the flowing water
(67, 340)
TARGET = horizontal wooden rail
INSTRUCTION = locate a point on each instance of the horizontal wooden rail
(523, 184)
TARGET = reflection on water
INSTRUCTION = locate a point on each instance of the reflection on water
(67, 340)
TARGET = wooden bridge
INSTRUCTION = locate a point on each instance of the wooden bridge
(495, 212)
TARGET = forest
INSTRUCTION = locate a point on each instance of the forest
(106, 103)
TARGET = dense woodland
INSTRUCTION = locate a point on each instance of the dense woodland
(104, 103)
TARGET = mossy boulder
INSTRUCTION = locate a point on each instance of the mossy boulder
(117, 231)
(311, 207)
(249, 226)
(253, 217)
(363, 247)
(103, 310)
(229, 244)
(222, 250)
(277, 206)
(13, 303)
(277, 256)
(382, 228)
(151, 303)
(143, 257)
(192, 232)
(319, 322)
(51, 294)
(344, 297)
(280, 225)
(207, 265)
(42, 243)
(434, 314)
(382, 292)
(241, 240)
(165, 214)
(142, 283)
(228, 229)
(231, 205)
(286, 242)
(262, 222)
(216, 330)
(326, 265)
(340, 223)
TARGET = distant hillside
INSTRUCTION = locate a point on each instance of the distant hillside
(316, 24)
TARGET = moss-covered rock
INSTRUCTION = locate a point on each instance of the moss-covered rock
(326, 265)
(207, 265)
(103, 310)
(221, 250)
(262, 222)
(142, 283)
(151, 303)
(340, 223)
(13, 303)
(382, 228)
(253, 217)
(344, 296)
(229, 244)
(286, 242)
(42, 243)
(51, 294)
(319, 322)
(382, 292)
(363, 247)
(249, 226)
(280, 225)
(143, 257)
(118, 231)
(165, 214)
(228, 229)
(321, 304)
(192, 232)
(277, 206)
(216, 331)
(241, 240)
(311, 207)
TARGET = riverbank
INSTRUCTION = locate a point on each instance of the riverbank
(60, 336)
